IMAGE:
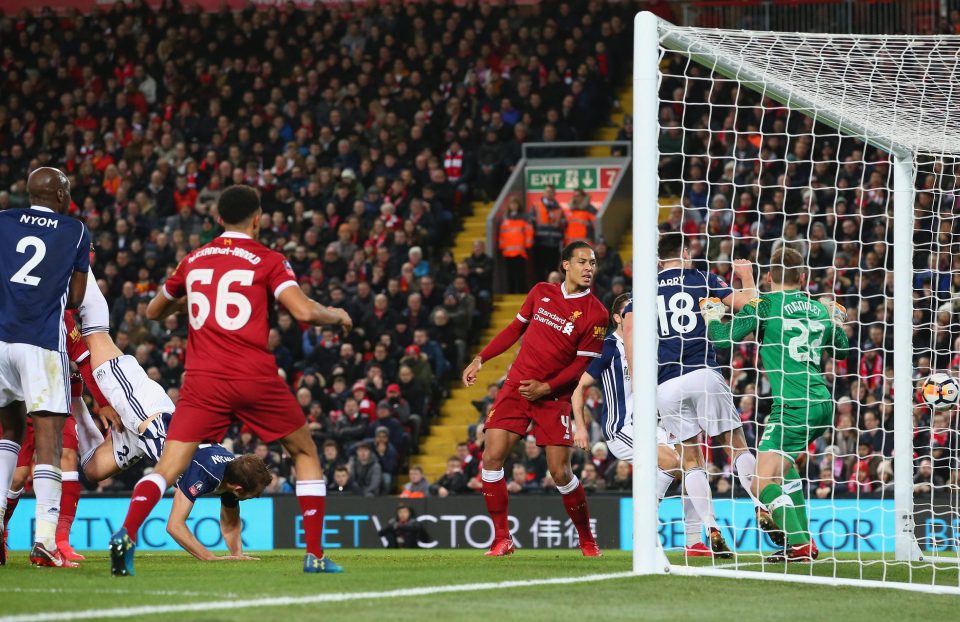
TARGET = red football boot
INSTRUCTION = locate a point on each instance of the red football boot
(803, 553)
(501, 548)
(68, 553)
(590, 549)
(698, 550)
(41, 556)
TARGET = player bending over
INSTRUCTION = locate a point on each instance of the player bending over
(229, 286)
(616, 421)
(563, 327)
(216, 471)
(692, 395)
(794, 332)
(136, 408)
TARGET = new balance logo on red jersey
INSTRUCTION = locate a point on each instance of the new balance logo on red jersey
(544, 299)
(139, 498)
(309, 513)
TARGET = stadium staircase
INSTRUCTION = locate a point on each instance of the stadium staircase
(458, 411)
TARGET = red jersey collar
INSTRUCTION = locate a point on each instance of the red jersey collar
(563, 290)
(235, 234)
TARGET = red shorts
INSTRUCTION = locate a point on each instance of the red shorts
(208, 405)
(29, 444)
(551, 417)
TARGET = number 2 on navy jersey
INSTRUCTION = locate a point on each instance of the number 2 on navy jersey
(681, 316)
(23, 275)
(224, 299)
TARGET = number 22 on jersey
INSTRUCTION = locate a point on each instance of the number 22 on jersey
(223, 300)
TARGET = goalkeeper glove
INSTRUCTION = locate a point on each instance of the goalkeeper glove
(712, 309)
(836, 311)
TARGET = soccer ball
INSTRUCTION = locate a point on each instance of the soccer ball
(940, 391)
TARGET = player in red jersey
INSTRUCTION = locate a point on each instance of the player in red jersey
(563, 327)
(70, 492)
(228, 286)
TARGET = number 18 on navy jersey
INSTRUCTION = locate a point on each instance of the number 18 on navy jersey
(39, 251)
(683, 345)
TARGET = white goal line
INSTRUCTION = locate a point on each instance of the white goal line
(727, 572)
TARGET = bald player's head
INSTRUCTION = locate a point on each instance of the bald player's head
(49, 187)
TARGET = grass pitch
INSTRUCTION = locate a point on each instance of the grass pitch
(243, 590)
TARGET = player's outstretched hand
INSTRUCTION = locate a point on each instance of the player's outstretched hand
(581, 439)
(532, 390)
(836, 311)
(712, 309)
(109, 418)
(235, 558)
(470, 373)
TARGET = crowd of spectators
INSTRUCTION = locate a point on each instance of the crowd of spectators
(368, 129)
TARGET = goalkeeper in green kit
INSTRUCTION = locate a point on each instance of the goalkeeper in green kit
(794, 332)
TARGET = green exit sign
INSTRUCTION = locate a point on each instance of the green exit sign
(572, 178)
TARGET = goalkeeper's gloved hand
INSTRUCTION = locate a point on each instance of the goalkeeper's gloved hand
(712, 309)
(836, 311)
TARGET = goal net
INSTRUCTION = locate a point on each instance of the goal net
(843, 148)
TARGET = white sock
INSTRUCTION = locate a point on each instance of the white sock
(8, 464)
(312, 488)
(570, 487)
(88, 435)
(491, 476)
(698, 489)
(47, 487)
(664, 480)
(692, 524)
(746, 466)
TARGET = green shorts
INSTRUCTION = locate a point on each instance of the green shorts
(790, 429)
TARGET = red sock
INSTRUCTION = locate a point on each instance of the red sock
(313, 502)
(496, 497)
(11, 506)
(575, 503)
(69, 497)
(146, 495)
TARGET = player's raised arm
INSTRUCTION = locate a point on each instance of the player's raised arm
(502, 342)
(724, 334)
(748, 290)
(581, 438)
(304, 309)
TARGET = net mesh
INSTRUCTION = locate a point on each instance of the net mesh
(744, 171)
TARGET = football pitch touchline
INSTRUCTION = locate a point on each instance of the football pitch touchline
(281, 601)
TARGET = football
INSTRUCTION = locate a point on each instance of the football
(940, 391)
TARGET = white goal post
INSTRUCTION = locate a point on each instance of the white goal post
(893, 93)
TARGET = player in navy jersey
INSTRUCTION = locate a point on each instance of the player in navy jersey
(216, 471)
(692, 395)
(44, 259)
(616, 420)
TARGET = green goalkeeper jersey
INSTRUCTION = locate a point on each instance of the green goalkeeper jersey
(794, 331)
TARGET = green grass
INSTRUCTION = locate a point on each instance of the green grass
(173, 578)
